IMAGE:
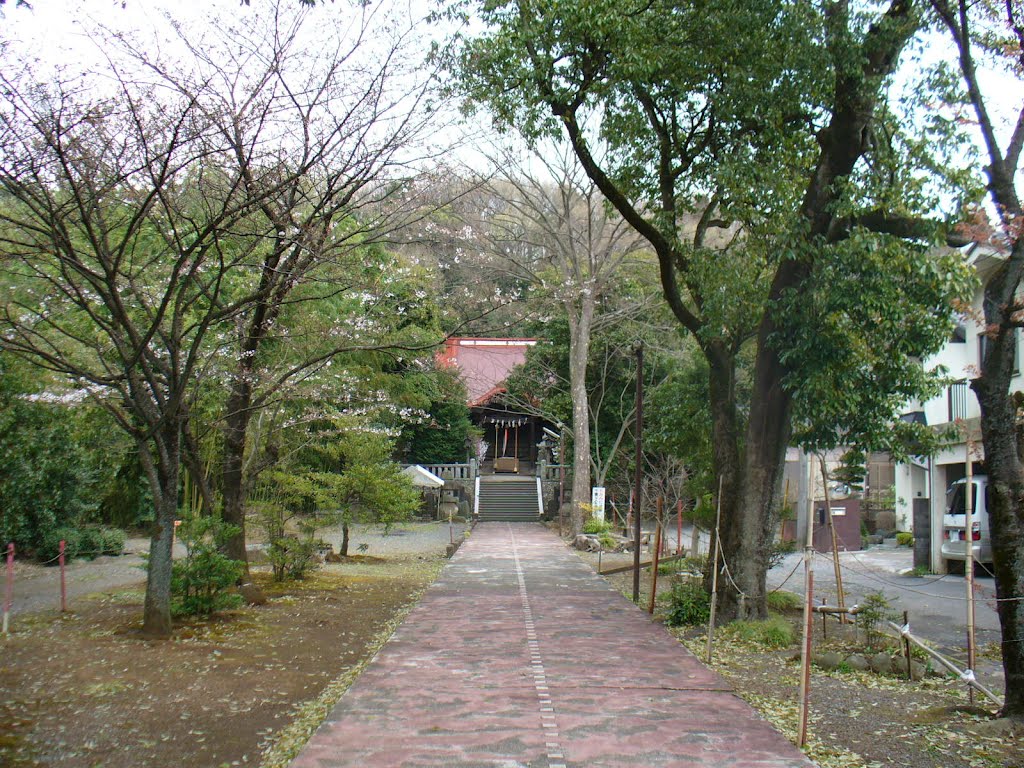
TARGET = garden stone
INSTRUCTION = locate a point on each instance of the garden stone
(829, 660)
(251, 594)
(918, 671)
(882, 663)
(858, 662)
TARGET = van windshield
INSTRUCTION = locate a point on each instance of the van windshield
(955, 499)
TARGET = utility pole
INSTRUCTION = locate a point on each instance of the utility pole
(638, 475)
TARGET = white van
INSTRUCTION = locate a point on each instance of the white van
(954, 538)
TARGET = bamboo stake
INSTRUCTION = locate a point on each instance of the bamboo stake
(835, 544)
(714, 572)
(785, 503)
(805, 647)
(969, 559)
(679, 527)
(805, 662)
(654, 560)
(966, 675)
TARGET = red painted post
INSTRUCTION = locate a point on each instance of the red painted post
(9, 593)
(63, 582)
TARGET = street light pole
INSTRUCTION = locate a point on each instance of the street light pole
(639, 468)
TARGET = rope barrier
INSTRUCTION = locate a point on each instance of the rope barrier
(786, 580)
(862, 570)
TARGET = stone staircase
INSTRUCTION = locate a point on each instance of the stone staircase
(508, 499)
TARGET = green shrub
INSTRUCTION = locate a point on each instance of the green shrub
(688, 604)
(593, 525)
(608, 541)
(784, 602)
(905, 539)
(202, 583)
(91, 545)
(113, 541)
(49, 545)
(774, 632)
(872, 611)
(292, 557)
(698, 564)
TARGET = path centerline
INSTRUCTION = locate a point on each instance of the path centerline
(548, 721)
(597, 684)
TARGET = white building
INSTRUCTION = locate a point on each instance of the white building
(921, 484)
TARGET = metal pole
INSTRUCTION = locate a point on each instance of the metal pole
(654, 560)
(969, 559)
(638, 475)
(63, 583)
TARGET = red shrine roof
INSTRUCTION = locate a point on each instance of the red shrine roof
(484, 363)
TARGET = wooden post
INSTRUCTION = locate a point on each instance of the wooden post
(805, 661)
(969, 559)
(906, 646)
(638, 470)
(9, 591)
(655, 558)
(785, 503)
(714, 573)
(835, 544)
(679, 527)
(63, 583)
(805, 648)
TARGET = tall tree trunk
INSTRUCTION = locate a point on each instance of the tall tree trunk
(748, 476)
(344, 538)
(580, 326)
(747, 543)
(1006, 480)
(236, 424)
(163, 472)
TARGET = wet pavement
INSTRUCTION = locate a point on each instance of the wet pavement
(519, 655)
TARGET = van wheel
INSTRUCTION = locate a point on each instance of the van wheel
(955, 567)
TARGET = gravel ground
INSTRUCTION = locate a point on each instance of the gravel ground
(37, 587)
(402, 540)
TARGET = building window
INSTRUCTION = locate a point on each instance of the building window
(984, 341)
(957, 399)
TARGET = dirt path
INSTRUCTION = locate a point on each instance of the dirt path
(84, 689)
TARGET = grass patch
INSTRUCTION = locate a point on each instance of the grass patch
(774, 632)
(784, 602)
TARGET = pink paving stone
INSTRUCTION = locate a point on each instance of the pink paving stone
(461, 683)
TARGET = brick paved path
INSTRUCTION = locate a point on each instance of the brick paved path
(520, 656)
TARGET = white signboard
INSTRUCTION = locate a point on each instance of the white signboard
(597, 502)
